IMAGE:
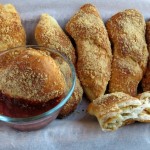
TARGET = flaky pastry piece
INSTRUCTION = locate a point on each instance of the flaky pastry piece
(115, 110)
(130, 55)
(31, 77)
(48, 33)
(12, 33)
(146, 78)
(93, 47)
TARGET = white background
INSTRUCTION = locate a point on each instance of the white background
(79, 130)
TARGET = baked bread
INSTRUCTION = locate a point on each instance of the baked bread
(115, 110)
(146, 78)
(12, 33)
(28, 79)
(49, 34)
(93, 48)
(127, 33)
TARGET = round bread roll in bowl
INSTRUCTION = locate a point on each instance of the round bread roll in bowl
(32, 87)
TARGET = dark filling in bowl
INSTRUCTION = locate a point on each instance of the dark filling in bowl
(20, 108)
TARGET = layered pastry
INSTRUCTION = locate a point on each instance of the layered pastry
(115, 110)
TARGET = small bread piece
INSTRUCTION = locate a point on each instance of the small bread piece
(146, 78)
(27, 78)
(93, 47)
(48, 33)
(144, 116)
(115, 110)
(127, 33)
(12, 33)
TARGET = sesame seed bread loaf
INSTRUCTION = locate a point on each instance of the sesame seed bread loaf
(146, 78)
(93, 48)
(127, 33)
(49, 34)
(12, 33)
(31, 77)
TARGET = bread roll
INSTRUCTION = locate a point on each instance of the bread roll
(12, 33)
(93, 47)
(32, 77)
(146, 79)
(115, 110)
(127, 33)
(49, 34)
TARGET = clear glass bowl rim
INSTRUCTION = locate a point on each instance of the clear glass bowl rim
(57, 107)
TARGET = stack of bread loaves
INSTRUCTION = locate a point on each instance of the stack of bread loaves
(117, 54)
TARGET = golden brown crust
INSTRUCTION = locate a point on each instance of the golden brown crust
(49, 34)
(12, 33)
(32, 77)
(94, 51)
(127, 32)
(146, 78)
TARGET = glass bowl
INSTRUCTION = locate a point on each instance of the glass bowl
(42, 119)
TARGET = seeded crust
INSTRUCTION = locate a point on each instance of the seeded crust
(12, 33)
(32, 77)
(49, 34)
(127, 33)
(146, 78)
(94, 52)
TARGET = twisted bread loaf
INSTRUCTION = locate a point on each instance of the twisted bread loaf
(127, 33)
(93, 48)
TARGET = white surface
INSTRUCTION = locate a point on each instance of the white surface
(79, 130)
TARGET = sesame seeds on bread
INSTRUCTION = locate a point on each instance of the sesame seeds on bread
(12, 33)
(33, 77)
